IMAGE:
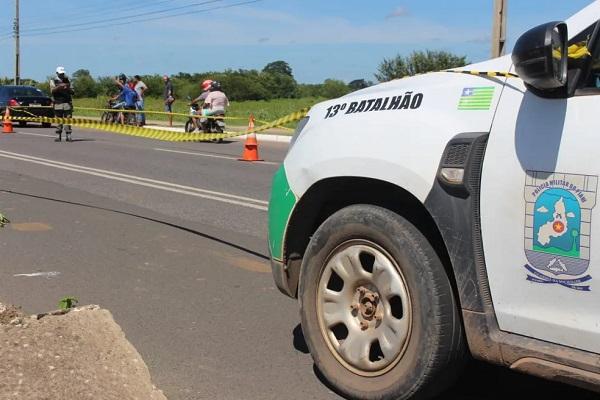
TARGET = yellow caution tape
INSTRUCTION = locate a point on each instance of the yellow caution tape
(492, 74)
(154, 112)
(160, 134)
(16, 107)
(25, 111)
(112, 110)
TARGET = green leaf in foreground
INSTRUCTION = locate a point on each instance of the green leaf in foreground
(3, 220)
(67, 302)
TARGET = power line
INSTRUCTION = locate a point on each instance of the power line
(143, 20)
(91, 13)
(93, 10)
(124, 17)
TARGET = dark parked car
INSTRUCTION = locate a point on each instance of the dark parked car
(39, 103)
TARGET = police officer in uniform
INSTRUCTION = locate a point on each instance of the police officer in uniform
(62, 94)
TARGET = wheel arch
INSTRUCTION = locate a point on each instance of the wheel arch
(329, 195)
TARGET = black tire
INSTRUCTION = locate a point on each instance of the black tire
(190, 126)
(106, 117)
(46, 125)
(22, 123)
(435, 350)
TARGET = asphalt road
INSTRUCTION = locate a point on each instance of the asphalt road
(172, 239)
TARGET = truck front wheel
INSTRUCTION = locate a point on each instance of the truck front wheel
(378, 311)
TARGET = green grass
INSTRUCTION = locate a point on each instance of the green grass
(262, 110)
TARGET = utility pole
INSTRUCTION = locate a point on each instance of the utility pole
(499, 28)
(16, 34)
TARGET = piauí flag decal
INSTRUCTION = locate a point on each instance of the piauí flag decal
(476, 98)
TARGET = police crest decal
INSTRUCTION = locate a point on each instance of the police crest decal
(558, 221)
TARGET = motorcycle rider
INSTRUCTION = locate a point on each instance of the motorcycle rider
(216, 102)
(205, 86)
(62, 96)
(128, 97)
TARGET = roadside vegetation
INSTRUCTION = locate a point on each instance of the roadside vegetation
(263, 110)
(270, 93)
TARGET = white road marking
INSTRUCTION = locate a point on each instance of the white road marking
(211, 155)
(36, 134)
(49, 274)
(137, 180)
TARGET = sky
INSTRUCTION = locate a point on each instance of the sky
(320, 39)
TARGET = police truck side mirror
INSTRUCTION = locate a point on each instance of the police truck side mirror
(540, 57)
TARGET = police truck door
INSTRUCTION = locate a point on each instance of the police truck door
(540, 222)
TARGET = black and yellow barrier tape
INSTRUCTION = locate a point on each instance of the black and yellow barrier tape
(117, 110)
(25, 111)
(491, 74)
(159, 134)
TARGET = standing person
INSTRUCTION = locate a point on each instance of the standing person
(62, 97)
(140, 88)
(128, 96)
(169, 97)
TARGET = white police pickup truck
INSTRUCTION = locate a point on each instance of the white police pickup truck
(427, 218)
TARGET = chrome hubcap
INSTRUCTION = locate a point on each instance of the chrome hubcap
(363, 308)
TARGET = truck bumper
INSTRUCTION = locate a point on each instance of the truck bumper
(280, 277)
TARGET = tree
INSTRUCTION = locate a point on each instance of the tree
(242, 85)
(44, 86)
(309, 90)
(418, 62)
(333, 88)
(278, 67)
(278, 85)
(358, 84)
(83, 84)
(105, 86)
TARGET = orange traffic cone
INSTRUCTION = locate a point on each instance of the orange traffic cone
(251, 144)
(7, 123)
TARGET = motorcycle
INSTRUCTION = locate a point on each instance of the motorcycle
(193, 121)
(113, 116)
(110, 116)
(213, 124)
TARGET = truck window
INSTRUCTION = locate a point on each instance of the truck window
(583, 51)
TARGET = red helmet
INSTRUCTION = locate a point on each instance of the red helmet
(206, 84)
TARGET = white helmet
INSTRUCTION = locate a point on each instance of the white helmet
(60, 70)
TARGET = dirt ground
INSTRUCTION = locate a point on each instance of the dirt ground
(80, 354)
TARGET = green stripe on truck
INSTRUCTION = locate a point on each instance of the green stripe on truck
(281, 205)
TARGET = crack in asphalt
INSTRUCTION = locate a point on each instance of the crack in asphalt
(172, 225)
